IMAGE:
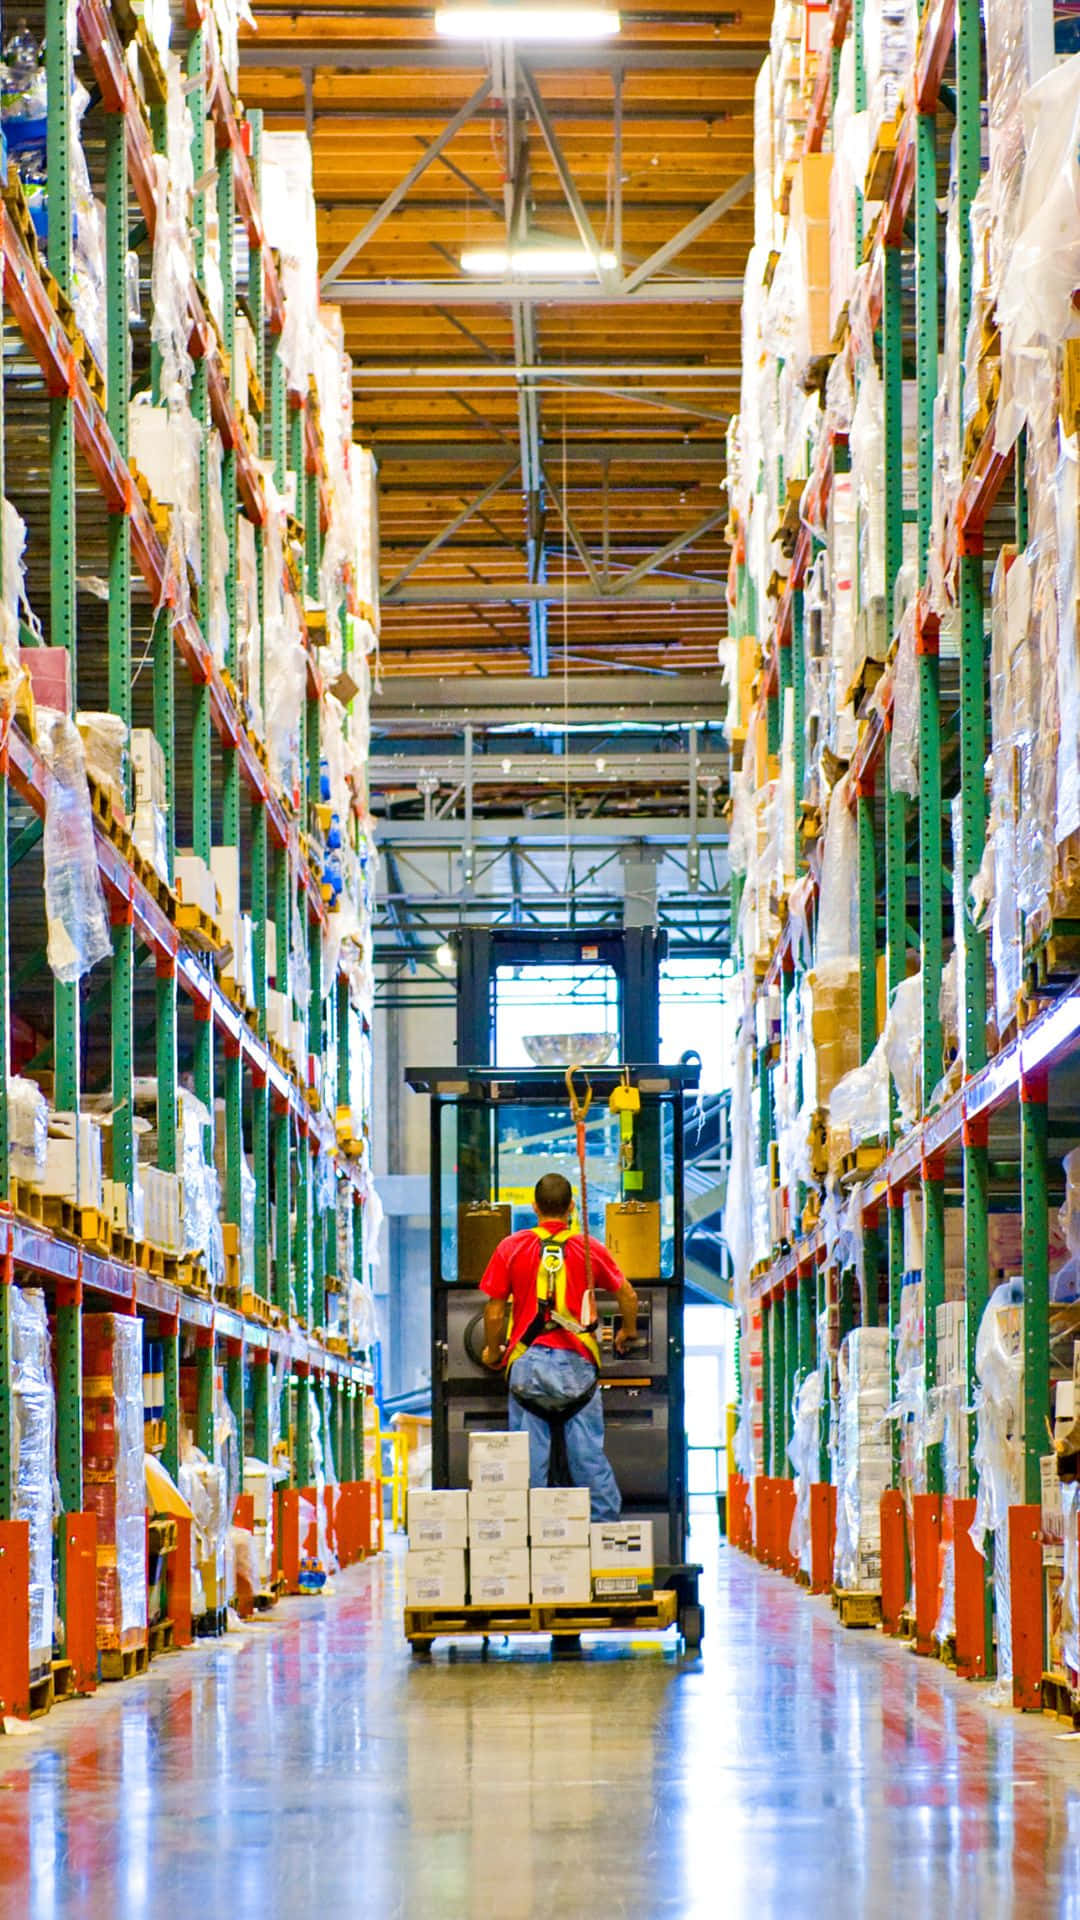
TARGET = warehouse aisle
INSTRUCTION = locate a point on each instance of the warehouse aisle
(317, 1771)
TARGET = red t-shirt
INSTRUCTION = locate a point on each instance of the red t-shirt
(512, 1270)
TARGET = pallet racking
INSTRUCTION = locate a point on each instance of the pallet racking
(106, 571)
(995, 1103)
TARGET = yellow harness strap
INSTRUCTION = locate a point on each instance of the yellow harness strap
(551, 1298)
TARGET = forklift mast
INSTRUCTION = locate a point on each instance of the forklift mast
(494, 1131)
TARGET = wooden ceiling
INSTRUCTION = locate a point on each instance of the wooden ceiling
(588, 470)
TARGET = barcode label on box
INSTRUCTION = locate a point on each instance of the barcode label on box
(616, 1583)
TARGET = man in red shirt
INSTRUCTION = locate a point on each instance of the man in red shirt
(551, 1357)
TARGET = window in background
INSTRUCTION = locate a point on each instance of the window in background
(552, 1000)
(697, 1009)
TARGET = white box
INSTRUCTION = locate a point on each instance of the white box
(498, 1460)
(225, 867)
(498, 1517)
(435, 1577)
(195, 883)
(559, 1516)
(499, 1576)
(438, 1517)
(560, 1574)
(622, 1558)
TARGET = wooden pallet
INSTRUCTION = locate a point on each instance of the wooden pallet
(857, 1609)
(42, 1694)
(880, 165)
(423, 1625)
(155, 1434)
(123, 1663)
(60, 1216)
(27, 1201)
(860, 1162)
(161, 1639)
(96, 1231)
(1058, 1698)
(254, 1307)
(198, 929)
(63, 1679)
(192, 1277)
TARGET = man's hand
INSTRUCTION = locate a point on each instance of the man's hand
(492, 1357)
(624, 1341)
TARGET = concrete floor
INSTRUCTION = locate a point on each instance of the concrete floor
(310, 1768)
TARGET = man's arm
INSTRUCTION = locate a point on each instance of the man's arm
(626, 1301)
(495, 1329)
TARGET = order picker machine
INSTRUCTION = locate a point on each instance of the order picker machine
(494, 1131)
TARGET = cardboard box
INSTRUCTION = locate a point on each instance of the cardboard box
(498, 1517)
(73, 1164)
(499, 1576)
(622, 1559)
(435, 1577)
(438, 1517)
(559, 1516)
(561, 1574)
(148, 768)
(498, 1460)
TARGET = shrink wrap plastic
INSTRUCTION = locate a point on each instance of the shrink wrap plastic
(1041, 266)
(803, 1454)
(838, 900)
(15, 604)
(325, 1475)
(948, 1424)
(889, 30)
(863, 1458)
(172, 269)
(34, 1445)
(78, 924)
(203, 1486)
(88, 239)
(202, 1190)
(1070, 1584)
(104, 737)
(28, 1130)
(999, 1451)
(908, 1409)
(904, 751)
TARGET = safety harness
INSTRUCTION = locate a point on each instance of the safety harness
(552, 1311)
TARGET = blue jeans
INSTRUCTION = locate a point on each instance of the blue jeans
(555, 1377)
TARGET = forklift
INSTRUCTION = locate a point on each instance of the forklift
(494, 1131)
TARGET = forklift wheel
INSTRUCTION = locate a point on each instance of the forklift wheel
(692, 1626)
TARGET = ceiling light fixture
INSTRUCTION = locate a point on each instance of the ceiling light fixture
(444, 955)
(509, 22)
(536, 262)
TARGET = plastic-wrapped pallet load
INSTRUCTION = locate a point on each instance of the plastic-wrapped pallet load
(803, 1452)
(863, 1458)
(28, 1130)
(999, 1451)
(113, 1473)
(34, 1446)
(78, 924)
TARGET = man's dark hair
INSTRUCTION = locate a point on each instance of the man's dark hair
(554, 1196)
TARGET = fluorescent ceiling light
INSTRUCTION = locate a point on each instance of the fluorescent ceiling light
(509, 22)
(536, 261)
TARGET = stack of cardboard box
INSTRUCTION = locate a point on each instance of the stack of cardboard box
(504, 1544)
(113, 1452)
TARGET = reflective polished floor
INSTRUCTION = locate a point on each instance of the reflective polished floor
(311, 1768)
